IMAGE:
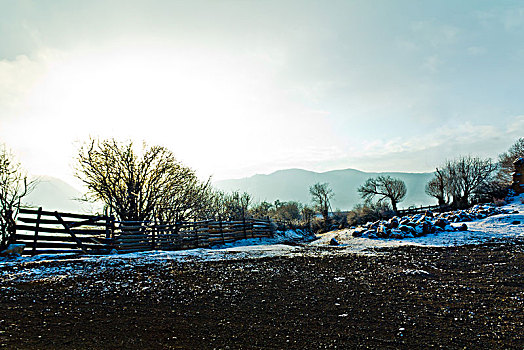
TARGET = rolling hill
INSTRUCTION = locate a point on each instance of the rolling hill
(51, 193)
(293, 184)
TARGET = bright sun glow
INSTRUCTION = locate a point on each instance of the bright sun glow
(205, 106)
(196, 105)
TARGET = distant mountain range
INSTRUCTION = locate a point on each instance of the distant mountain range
(52, 193)
(293, 184)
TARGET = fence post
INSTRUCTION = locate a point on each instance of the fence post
(37, 228)
(108, 227)
(244, 226)
(221, 230)
(153, 236)
(197, 243)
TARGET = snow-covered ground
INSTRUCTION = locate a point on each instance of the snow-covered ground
(287, 243)
(495, 227)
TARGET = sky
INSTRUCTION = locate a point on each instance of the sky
(236, 88)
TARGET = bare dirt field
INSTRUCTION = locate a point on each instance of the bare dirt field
(406, 297)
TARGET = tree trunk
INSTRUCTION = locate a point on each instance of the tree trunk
(394, 205)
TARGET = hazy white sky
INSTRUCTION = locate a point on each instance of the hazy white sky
(236, 88)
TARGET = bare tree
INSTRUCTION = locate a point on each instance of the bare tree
(261, 210)
(288, 212)
(307, 215)
(186, 198)
(233, 205)
(467, 176)
(138, 186)
(507, 159)
(14, 186)
(437, 187)
(321, 194)
(386, 187)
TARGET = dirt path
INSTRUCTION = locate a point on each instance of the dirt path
(410, 297)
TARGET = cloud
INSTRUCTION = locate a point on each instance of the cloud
(17, 77)
(476, 50)
(425, 152)
(432, 63)
(516, 126)
(514, 19)
(436, 34)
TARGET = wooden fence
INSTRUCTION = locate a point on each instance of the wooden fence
(46, 232)
(416, 210)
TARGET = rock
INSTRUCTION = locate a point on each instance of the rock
(396, 233)
(393, 222)
(516, 222)
(375, 224)
(428, 228)
(428, 213)
(441, 223)
(404, 228)
(370, 233)
(358, 232)
(463, 227)
(404, 222)
(333, 241)
(382, 231)
(13, 250)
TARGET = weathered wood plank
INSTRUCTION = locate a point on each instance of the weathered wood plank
(29, 228)
(52, 213)
(69, 245)
(61, 238)
(28, 220)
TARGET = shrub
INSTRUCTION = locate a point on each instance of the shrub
(367, 212)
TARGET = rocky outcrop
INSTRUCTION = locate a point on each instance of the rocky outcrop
(423, 224)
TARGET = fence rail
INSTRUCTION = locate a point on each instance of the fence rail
(46, 232)
(416, 210)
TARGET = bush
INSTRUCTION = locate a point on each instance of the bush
(367, 212)
(339, 219)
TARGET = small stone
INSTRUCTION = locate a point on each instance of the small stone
(333, 241)
(393, 222)
(516, 222)
(13, 250)
(382, 231)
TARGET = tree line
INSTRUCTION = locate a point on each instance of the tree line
(147, 183)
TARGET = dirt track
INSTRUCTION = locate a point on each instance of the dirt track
(411, 297)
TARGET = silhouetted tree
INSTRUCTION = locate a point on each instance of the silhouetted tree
(261, 210)
(386, 187)
(507, 159)
(14, 186)
(321, 195)
(467, 176)
(307, 215)
(288, 212)
(234, 205)
(369, 212)
(139, 186)
(437, 187)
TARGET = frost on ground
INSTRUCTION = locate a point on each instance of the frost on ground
(506, 226)
(59, 266)
(285, 244)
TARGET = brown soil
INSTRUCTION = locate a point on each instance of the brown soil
(410, 297)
